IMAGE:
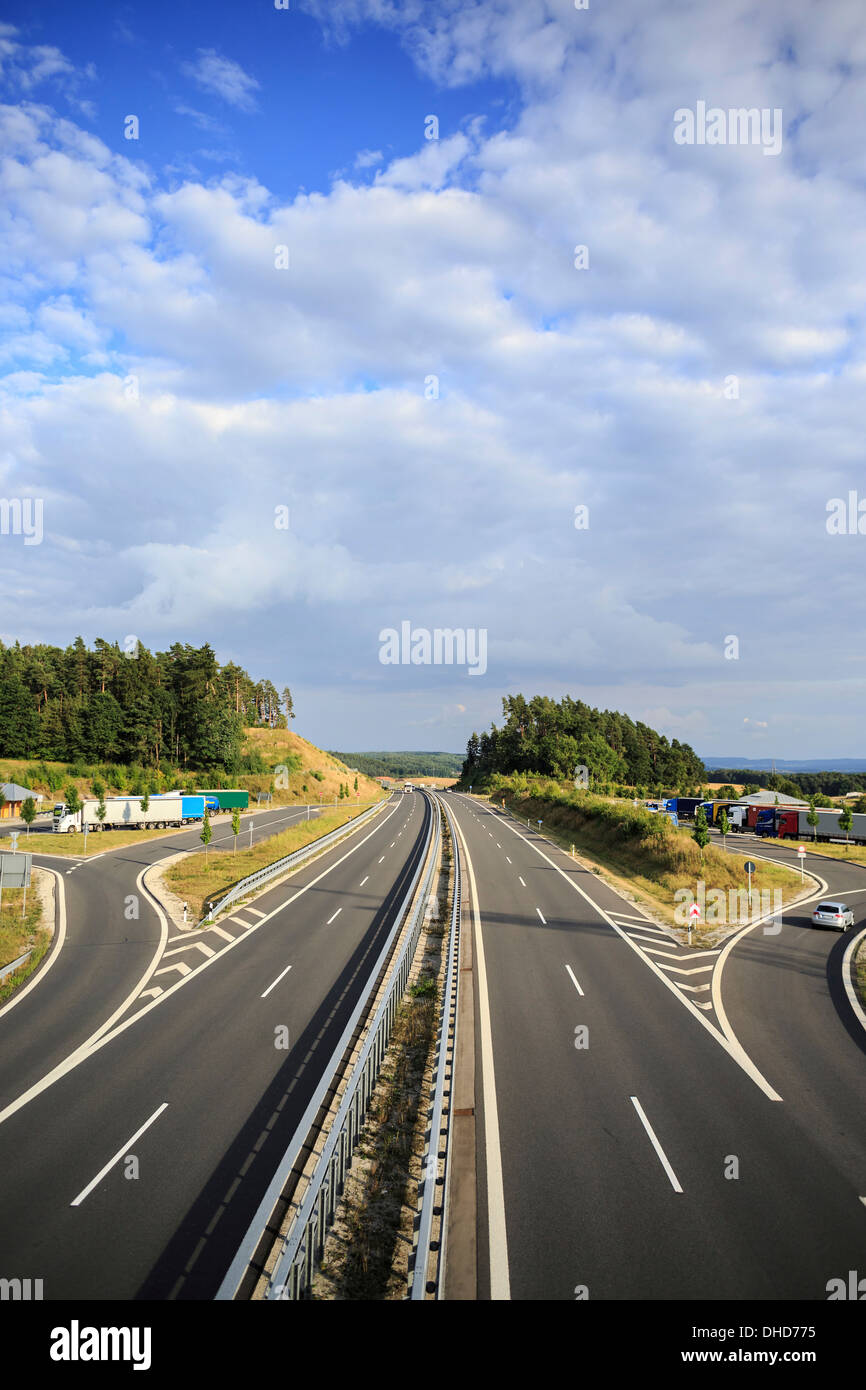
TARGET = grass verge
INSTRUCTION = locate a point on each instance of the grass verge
(19, 933)
(368, 1248)
(199, 876)
(643, 856)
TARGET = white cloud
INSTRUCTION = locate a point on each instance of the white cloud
(223, 77)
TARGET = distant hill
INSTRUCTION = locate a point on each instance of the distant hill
(789, 765)
(408, 764)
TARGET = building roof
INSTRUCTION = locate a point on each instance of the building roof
(770, 798)
(13, 792)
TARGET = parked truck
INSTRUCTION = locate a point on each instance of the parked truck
(227, 799)
(793, 825)
(125, 813)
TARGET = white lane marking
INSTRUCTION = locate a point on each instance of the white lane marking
(538, 910)
(632, 917)
(694, 989)
(500, 1284)
(85, 1192)
(382, 860)
(679, 955)
(498, 845)
(726, 1040)
(276, 981)
(574, 979)
(191, 946)
(255, 911)
(681, 970)
(226, 935)
(847, 971)
(656, 1145)
(521, 880)
(392, 844)
(102, 1036)
(507, 860)
(641, 936)
(332, 919)
(863, 1200)
(178, 965)
(363, 880)
(52, 955)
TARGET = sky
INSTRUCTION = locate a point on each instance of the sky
(490, 317)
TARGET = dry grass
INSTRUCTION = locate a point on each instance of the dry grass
(652, 867)
(18, 933)
(199, 876)
(97, 841)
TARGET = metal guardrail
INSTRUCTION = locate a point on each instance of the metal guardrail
(297, 856)
(304, 1242)
(437, 1148)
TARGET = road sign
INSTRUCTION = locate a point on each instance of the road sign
(13, 836)
(750, 867)
(694, 910)
(15, 870)
(801, 850)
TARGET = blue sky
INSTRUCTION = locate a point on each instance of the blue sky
(431, 385)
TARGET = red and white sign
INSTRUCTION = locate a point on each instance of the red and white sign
(694, 911)
(801, 849)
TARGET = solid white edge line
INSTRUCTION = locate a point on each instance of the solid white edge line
(101, 1038)
(55, 950)
(847, 971)
(656, 1145)
(734, 1050)
(276, 981)
(85, 1192)
(500, 1284)
(574, 980)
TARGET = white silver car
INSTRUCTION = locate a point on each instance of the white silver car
(838, 915)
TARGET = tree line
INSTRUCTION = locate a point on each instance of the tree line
(403, 764)
(180, 706)
(799, 784)
(553, 738)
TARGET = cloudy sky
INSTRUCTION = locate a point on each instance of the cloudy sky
(246, 270)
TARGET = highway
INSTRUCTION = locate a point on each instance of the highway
(703, 1138)
(103, 953)
(196, 1086)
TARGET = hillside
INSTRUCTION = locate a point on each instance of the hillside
(554, 737)
(405, 764)
(311, 775)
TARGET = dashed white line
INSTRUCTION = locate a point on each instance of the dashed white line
(656, 1145)
(521, 880)
(574, 980)
(331, 919)
(538, 910)
(363, 881)
(507, 860)
(85, 1192)
(276, 981)
(382, 860)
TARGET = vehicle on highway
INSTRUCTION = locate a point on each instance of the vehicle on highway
(794, 825)
(837, 915)
(227, 799)
(125, 813)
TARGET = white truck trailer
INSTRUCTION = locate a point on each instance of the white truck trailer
(121, 813)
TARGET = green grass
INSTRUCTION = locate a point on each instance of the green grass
(199, 877)
(18, 933)
(644, 851)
